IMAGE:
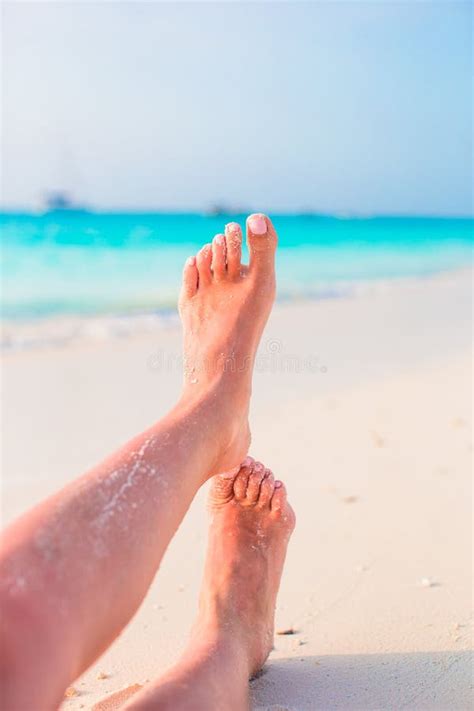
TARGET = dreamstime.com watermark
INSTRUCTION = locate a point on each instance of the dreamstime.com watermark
(271, 358)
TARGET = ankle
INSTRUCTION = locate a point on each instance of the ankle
(222, 414)
(208, 675)
(223, 386)
(211, 639)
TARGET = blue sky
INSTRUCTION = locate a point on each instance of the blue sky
(341, 107)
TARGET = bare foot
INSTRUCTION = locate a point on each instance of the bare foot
(224, 306)
(251, 522)
(250, 527)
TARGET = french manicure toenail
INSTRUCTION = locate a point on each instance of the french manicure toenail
(257, 224)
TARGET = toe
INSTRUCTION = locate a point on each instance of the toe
(266, 489)
(222, 489)
(278, 501)
(262, 241)
(233, 237)
(240, 481)
(281, 509)
(218, 257)
(203, 261)
(190, 278)
(253, 484)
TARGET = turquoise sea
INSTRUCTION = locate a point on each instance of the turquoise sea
(81, 263)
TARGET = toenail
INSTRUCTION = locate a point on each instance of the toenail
(257, 224)
(278, 484)
(232, 227)
(190, 261)
(219, 239)
(247, 462)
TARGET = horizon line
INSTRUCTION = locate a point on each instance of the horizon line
(212, 212)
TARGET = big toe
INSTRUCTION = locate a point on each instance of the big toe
(222, 488)
(262, 242)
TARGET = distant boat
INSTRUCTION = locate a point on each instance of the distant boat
(219, 209)
(61, 201)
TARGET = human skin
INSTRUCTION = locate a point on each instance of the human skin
(251, 523)
(74, 569)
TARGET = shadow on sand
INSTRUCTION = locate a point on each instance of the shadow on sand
(428, 681)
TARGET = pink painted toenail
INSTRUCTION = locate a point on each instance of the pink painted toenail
(257, 224)
(190, 261)
(247, 462)
(278, 484)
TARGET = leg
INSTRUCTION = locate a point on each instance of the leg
(74, 570)
(250, 527)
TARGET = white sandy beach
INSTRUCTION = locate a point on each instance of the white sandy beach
(363, 407)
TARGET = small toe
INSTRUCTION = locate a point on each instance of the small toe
(266, 489)
(233, 237)
(203, 261)
(253, 485)
(279, 497)
(219, 257)
(240, 481)
(190, 278)
(262, 241)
